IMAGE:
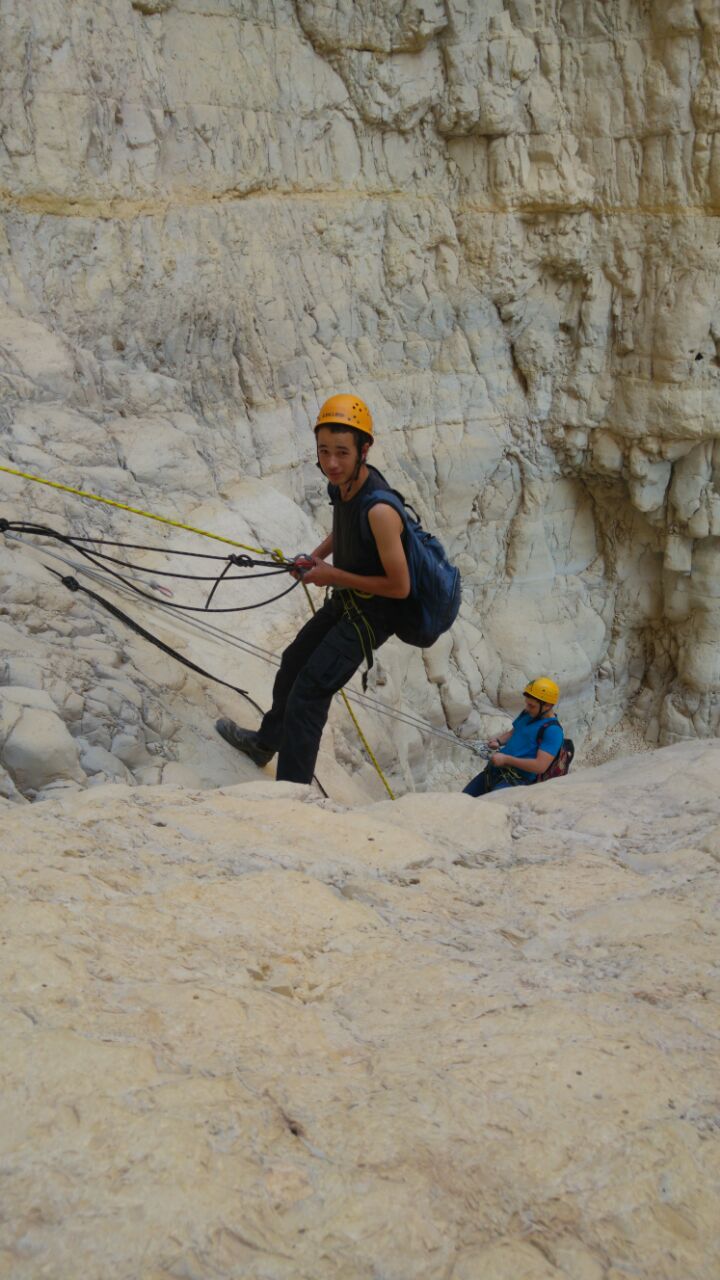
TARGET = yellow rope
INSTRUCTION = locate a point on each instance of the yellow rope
(367, 746)
(148, 515)
(177, 524)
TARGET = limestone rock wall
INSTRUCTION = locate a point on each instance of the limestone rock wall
(497, 221)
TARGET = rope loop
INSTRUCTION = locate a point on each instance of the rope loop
(101, 560)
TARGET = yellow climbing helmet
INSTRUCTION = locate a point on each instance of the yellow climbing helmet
(346, 410)
(544, 689)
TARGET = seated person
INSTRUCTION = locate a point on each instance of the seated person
(530, 746)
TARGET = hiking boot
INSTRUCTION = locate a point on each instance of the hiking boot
(245, 740)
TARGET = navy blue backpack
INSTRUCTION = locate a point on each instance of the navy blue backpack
(435, 588)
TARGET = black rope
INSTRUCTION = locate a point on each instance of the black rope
(96, 558)
(171, 604)
(187, 608)
(19, 526)
(190, 577)
(216, 584)
(241, 561)
(72, 584)
(142, 546)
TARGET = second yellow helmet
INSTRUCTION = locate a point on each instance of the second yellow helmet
(544, 689)
(346, 410)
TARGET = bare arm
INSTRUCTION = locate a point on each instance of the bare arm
(386, 527)
(542, 761)
(324, 550)
(500, 738)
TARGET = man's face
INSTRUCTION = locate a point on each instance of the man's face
(337, 454)
(532, 706)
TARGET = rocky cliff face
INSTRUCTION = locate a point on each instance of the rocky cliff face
(496, 221)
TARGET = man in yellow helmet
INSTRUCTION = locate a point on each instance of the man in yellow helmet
(369, 575)
(530, 746)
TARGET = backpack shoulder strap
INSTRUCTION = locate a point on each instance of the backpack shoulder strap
(546, 725)
(389, 489)
(391, 499)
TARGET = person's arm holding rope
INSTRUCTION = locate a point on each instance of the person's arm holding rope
(324, 550)
(386, 526)
(305, 563)
(542, 761)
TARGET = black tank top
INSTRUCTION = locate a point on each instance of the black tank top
(351, 551)
(355, 553)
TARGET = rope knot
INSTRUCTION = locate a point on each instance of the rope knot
(242, 562)
(71, 583)
(4, 524)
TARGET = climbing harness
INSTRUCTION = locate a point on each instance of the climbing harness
(362, 627)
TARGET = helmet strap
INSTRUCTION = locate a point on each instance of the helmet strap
(362, 453)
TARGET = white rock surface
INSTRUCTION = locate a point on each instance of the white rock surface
(497, 222)
(247, 1032)
(36, 749)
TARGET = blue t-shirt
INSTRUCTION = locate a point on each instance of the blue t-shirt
(523, 741)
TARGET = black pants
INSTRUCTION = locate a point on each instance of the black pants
(321, 659)
(492, 779)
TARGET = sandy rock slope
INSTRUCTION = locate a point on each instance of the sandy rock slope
(250, 1034)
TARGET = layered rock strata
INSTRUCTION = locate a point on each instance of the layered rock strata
(497, 222)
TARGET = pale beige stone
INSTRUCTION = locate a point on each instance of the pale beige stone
(38, 751)
(442, 1038)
